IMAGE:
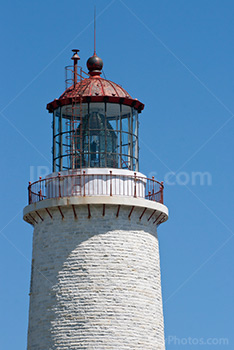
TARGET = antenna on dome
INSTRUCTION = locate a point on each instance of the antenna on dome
(94, 31)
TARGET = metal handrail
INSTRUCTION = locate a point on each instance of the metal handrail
(70, 70)
(83, 184)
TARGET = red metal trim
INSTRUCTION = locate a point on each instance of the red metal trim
(90, 89)
(59, 185)
(91, 83)
(29, 220)
(135, 183)
(151, 215)
(84, 182)
(129, 216)
(110, 183)
(117, 214)
(39, 215)
(74, 211)
(111, 99)
(114, 88)
(102, 86)
(89, 212)
(157, 218)
(29, 193)
(49, 213)
(142, 214)
(161, 221)
(161, 190)
(61, 212)
(33, 218)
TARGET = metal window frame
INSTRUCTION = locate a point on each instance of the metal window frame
(62, 147)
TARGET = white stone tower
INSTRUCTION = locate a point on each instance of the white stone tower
(95, 281)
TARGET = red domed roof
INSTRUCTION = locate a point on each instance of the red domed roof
(95, 86)
(95, 89)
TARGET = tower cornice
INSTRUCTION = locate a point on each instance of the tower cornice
(159, 211)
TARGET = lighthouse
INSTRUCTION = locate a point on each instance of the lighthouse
(95, 276)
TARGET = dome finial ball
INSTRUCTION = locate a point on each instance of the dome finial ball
(94, 65)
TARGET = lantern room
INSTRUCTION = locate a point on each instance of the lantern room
(95, 122)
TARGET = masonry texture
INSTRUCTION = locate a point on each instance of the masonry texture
(95, 282)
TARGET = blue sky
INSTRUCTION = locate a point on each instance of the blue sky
(177, 58)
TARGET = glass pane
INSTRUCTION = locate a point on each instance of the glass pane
(95, 135)
(135, 140)
(57, 116)
(57, 146)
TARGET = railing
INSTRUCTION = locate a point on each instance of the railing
(69, 75)
(83, 184)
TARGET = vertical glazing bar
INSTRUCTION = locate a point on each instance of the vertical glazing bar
(120, 138)
(89, 155)
(60, 141)
(71, 135)
(81, 151)
(54, 143)
(105, 135)
(137, 144)
(131, 140)
(116, 164)
(66, 148)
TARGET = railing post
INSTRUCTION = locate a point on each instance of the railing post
(161, 191)
(40, 193)
(59, 185)
(135, 183)
(84, 181)
(149, 194)
(29, 193)
(110, 183)
(153, 186)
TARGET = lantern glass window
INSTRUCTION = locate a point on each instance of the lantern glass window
(95, 135)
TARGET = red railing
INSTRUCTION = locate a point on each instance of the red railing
(82, 185)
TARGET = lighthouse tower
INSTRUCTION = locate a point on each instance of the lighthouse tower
(95, 280)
